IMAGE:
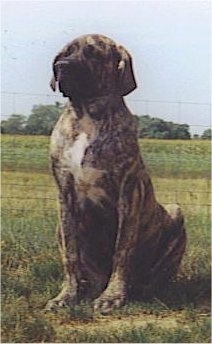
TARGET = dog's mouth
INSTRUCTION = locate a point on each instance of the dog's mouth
(75, 80)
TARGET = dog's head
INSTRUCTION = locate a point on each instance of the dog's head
(93, 66)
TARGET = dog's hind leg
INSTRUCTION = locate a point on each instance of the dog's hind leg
(171, 246)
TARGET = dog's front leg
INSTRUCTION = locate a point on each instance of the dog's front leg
(67, 241)
(128, 232)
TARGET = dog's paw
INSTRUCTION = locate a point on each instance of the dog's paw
(63, 300)
(107, 302)
(54, 304)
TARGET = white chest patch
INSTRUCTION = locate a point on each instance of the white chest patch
(73, 155)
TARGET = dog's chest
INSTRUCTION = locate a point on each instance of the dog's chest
(73, 155)
(69, 141)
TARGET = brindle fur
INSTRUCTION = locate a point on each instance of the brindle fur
(115, 238)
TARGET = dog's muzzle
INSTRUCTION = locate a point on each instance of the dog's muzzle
(74, 78)
(66, 75)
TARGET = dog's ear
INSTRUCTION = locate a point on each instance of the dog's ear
(126, 78)
(53, 83)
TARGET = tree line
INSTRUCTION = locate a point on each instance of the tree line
(40, 122)
(43, 118)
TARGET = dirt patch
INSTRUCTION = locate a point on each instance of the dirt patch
(113, 323)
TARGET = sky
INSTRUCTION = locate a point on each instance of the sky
(169, 42)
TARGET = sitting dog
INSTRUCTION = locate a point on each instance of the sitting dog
(115, 238)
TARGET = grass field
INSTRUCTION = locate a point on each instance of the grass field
(31, 267)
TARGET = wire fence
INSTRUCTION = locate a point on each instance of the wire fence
(181, 174)
(196, 114)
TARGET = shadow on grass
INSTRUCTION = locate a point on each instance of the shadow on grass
(195, 291)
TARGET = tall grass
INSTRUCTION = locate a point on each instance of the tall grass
(32, 270)
(177, 158)
(164, 158)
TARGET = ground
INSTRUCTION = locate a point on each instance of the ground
(32, 269)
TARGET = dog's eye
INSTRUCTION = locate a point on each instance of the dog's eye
(88, 50)
(70, 50)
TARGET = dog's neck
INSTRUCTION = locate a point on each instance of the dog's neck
(96, 107)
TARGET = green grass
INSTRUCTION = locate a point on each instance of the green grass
(164, 158)
(20, 153)
(32, 269)
(177, 158)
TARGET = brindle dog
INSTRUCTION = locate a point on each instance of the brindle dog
(115, 238)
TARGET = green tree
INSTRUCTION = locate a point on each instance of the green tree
(43, 118)
(152, 127)
(179, 131)
(206, 134)
(15, 124)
